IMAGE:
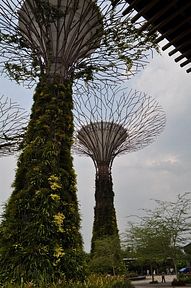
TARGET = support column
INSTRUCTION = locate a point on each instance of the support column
(105, 223)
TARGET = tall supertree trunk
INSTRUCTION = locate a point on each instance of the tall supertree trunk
(105, 223)
(40, 229)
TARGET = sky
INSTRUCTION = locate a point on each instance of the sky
(160, 171)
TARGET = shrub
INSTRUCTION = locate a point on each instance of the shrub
(178, 282)
(154, 282)
(131, 275)
(122, 284)
(93, 281)
(185, 277)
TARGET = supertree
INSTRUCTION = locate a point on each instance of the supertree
(13, 121)
(57, 43)
(70, 39)
(111, 123)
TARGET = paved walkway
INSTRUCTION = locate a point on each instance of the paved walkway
(146, 283)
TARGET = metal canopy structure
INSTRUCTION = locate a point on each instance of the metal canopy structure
(101, 140)
(62, 33)
(110, 122)
(172, 19)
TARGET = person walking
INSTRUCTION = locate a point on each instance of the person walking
(163, 277)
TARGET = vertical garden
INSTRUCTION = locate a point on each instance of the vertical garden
(61, 45)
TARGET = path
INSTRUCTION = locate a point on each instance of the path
(146, 283)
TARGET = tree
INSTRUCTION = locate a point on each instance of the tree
(146, 243)
(61, 45)
(111, 123)
(107, 256)
(162, 232)
(13, 122)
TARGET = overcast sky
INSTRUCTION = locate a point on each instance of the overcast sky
(159, 171)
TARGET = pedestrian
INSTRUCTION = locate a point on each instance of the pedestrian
(163, 277)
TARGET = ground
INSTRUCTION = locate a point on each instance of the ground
(146, 283)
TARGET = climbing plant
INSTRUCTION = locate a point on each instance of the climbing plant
(56, 45)
(40, 228)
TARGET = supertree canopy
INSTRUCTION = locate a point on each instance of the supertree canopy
(61, 36)
(56, 43)
(82, 38)
(111, 123)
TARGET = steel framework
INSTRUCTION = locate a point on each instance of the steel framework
(82, 39)
(13, 122)
(109, 124)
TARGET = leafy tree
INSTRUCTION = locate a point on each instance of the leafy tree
(162, 232)
(107, 256)
(146, 244)
(187, 251)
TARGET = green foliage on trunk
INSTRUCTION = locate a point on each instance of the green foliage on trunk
(107, 257)
(105, 223)
(39, 234)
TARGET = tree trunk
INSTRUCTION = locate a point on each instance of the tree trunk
(40, 230)
(105, 223)
(175, 267)
(152, 274)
